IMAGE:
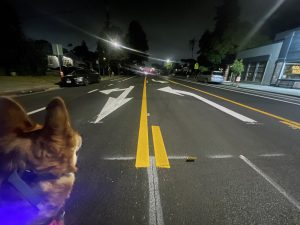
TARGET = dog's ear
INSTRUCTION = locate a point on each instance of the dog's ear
(13, 118)
(57, 117)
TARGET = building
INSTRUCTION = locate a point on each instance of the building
(276, 64)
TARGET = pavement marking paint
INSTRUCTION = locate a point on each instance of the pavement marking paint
(110, 85)
(116, 79)
(256, 94)
(160, 152)
(142, 155)
(211, 103)
(291, 199)
(36, 111)
(113, 104)
(127, 79)
(155, 208)
(220, 156)
(290, 122)
(120, 158)
(272, 155)
(92, 91)
(291, 125)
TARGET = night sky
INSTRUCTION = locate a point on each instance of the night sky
(169, 25)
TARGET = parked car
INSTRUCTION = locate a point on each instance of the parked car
(211, 77)
(81, 77)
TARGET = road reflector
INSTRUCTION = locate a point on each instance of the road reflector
(160, 152)
(190, 159)
(142, 154)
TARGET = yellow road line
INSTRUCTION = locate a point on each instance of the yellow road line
(287, 121)
(160, 152)
(142, 155)
(290, 125)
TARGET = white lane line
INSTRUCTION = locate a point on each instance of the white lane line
(272, 155)
(211, 103)
(220, 156)
(110, 85)
(36, 111)
(116, 79)
(92, 91)
(126, 79)
(124, 158)
(272, 182)
(247, 93)
(155, 209)
(177, 157)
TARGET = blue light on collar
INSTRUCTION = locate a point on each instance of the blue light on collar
(28, 193)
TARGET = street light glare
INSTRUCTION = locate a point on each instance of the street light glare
(115, 44)
(168, 60)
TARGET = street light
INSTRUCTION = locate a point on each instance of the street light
(168, 60)
(116, 44)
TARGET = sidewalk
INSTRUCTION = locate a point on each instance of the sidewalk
(19, 85)
(278, 90)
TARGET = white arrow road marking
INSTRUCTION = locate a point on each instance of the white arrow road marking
(113, 103)
(107, 92)
(92, 91)
(211, 103)
(160, 81)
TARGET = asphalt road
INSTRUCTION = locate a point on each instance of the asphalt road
(242, 148)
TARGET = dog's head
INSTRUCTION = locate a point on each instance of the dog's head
(48, 151)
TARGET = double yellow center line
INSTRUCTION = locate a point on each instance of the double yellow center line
(142, 156)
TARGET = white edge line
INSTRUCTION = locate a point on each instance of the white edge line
(272, 182)
(92, 91)
(36, 111)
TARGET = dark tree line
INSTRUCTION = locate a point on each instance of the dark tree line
(29, 57)
(219, 47)
(18, 54)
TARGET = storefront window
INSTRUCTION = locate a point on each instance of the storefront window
(250, 74)
(243, 76)
(291, 71)
(277, 72)
(260, 71)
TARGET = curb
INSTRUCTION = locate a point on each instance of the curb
(27, 91)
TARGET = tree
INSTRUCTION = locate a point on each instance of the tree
(137, 40)
(81, 51)
(192, 44)
(12, 39)
(237, 68)
(219, 47)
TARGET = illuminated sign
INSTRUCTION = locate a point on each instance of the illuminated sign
(296, 69)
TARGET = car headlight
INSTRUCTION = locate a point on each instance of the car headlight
(80, 79)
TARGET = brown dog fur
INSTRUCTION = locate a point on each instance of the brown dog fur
(51, 148)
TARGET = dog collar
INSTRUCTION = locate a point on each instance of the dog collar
(28, 193)
(20, 182)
